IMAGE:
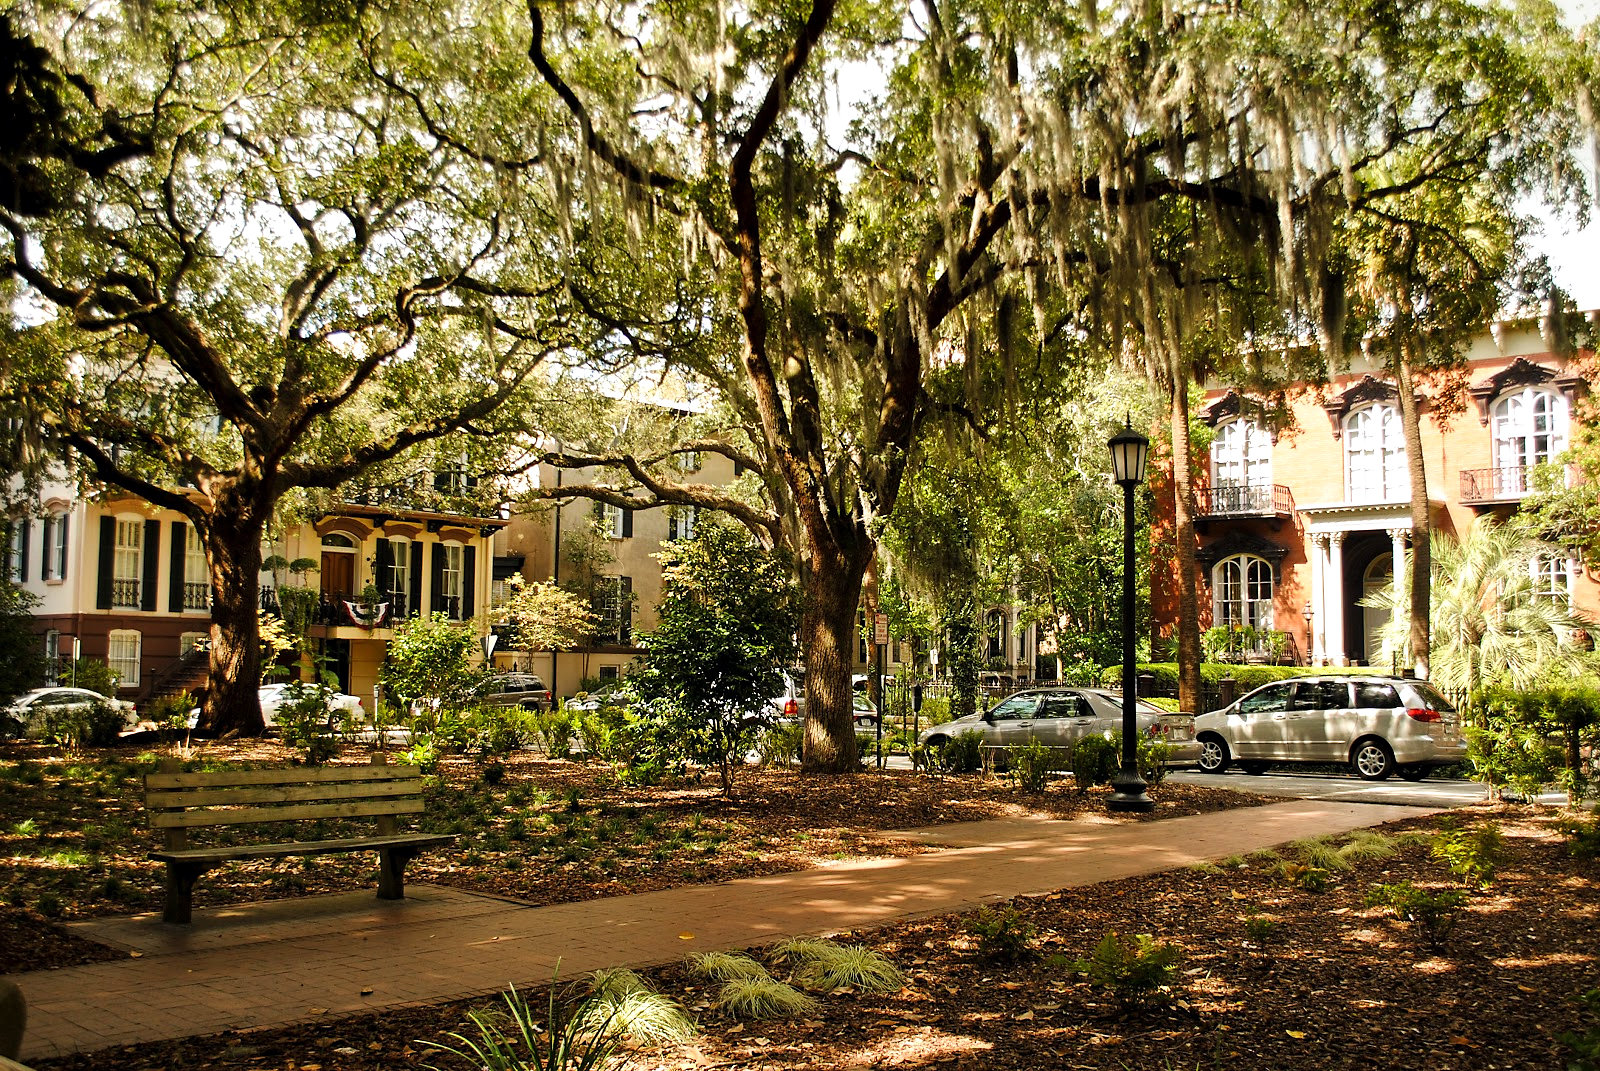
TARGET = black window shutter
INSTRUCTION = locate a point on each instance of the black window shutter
(178, 557)
(152, 564)
(436, 577)
(672, 526)
(414, 597)
(599, 510)
(26, 525)
(625, 599)
(108, 546)
(627, 523)
(49, 531)
(62, 541)
(469, 580)
(384, 567)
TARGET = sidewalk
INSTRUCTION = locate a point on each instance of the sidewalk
(271, 964)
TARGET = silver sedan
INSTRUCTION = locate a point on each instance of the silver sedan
(1060, 717)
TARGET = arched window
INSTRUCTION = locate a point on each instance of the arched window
(1241, 591)
(338, 541)
(1530, 428)
(1241, 455)
(1375, 455)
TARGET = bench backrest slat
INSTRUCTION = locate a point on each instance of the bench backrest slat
(242, 795)
(201, 816)
(223, 778)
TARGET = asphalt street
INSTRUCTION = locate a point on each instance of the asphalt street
(1347, 788)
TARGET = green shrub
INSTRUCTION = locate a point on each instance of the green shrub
(1471, 856)
(1260, 929)
(1434, 914)
(1583, 837)
(307, 723)
(625, 1006)
(1304, 876)
(1318, 852)
(824, 966)
(724, 966)
(556, 729)
(94, 724)
(1134, 972)
(963, 753)
(779, 745)
(495, 732)
(1002, 933)
(1585, 1046)
(514, 1040)
(423, 753)
(1032, 763)
(1151, 754)
(1094, 761)
(935, 710)
(763, 998)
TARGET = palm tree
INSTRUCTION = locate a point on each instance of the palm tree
(1489, 624)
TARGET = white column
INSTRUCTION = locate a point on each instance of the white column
(1334, 640)
(1397, 547)
(1319, 554)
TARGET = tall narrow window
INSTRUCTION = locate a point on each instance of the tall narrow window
(122, 656)
(994, 625)
(55, 546)
(450, 580)
(1530, 428)
(613, 520)
(400, 567)
(196, 585)
(16, 549)
(126, 563)
(1241, 464)
(52, 657)
(1375, 455)
(613, 605)
(1242, 592)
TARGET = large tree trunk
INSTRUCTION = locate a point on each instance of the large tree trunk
(232, 539)
(1421, 523)
(1183, 524)
(827, 636)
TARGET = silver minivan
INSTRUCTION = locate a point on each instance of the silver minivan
(1378, 725)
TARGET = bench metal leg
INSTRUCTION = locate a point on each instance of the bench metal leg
(392, 871)
(180, 891)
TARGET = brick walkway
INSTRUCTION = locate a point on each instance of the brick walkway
(271, 964)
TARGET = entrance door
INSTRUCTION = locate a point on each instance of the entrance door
(338, 574)
(1378, 577)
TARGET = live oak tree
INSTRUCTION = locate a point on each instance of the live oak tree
(1174, 174)
(248, 272)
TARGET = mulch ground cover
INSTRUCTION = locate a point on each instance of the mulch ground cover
(1274, 976)
(74, 840)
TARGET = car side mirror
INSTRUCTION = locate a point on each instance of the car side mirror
(988, 716)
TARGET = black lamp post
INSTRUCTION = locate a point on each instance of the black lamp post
(1129, 451)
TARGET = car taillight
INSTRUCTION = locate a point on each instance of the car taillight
(1422, 714)
(791, 709)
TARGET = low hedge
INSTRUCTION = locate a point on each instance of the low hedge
(1246, 676)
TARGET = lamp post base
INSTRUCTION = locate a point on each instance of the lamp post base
(1127, 793)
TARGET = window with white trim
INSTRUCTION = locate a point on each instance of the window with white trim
(52, 657)
(55, 546)
(122, 656)
(613, 605)
(1241, 592)
(681, 521)
(16, 548)
(1375, 455)
(1552, 578)
(127, 558)
(196, 574)
(191, 640)
(1530, 428)
(611, 520)
(450, 579)
(399, 571)
(1241, 455)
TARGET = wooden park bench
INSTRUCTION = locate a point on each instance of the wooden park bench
(179, 802)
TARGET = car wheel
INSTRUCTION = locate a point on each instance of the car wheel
(1413, 772)
(1254, 766)
(1372, 760)
(1213, 754)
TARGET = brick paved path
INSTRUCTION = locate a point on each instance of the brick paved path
(256, 965)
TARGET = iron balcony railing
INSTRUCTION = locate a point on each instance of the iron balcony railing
(125, 592)
(1247, 500)
(1504, 484)
(196, 595)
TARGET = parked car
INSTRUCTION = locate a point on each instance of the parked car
(514, 690)
(273, 696)
(790, 704)
(1060, 717)
(30, 708)
(865, 714)
(1379, 725)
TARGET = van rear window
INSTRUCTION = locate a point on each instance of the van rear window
(1435, 701)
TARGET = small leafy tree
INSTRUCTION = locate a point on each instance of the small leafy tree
(23, 667)
(429, 657)
(545, 617)
(725, 627)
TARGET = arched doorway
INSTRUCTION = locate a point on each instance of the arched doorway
(1378, 576)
